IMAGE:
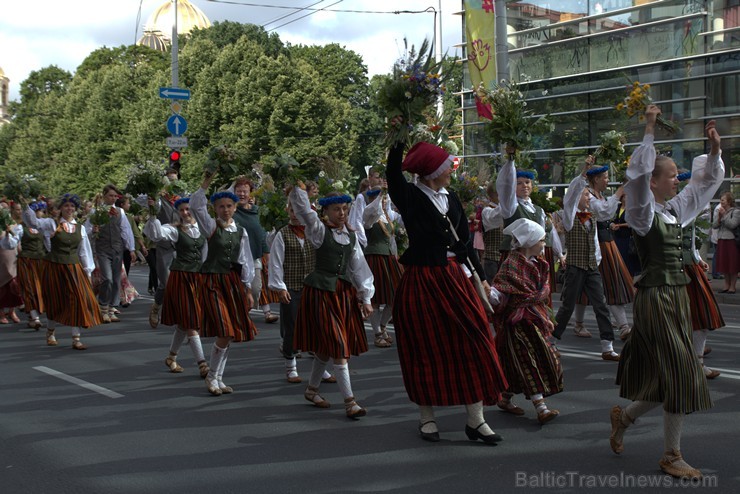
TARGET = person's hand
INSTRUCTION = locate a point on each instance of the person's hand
(510, 150)
(703, 265)
(590, 160)
(651, 115)
(614, 227)
(133, 255)
(207, 178)
(620, 192)
(562, 261)
(284, 296)
(713, 136)
(366, 310)
(486, 286)
(144, 251)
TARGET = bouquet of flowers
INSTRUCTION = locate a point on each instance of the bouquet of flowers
(611, 147)
(284, 170)
(468, 189)
(146, 179)
(27, 186)
(411, 94)
(327, 184)
(434, 134)
(101, 215)
(223, 160)
(5, 219)
(176, 188)
(511, 123)
(402, 238)
(272, 205)
(637, 100)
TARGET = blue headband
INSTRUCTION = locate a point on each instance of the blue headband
(372, 193)
(225, 194)
(525, 174)
(73, 198)
(37, 206)
(682, 177)
(328, 201)
(596, 171)
(183, 200)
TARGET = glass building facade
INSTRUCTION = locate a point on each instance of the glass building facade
(579, 58)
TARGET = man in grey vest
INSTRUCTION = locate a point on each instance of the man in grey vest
(166, 214)
(110, 242)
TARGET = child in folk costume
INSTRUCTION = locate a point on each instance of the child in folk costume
(659, 364)
(331, 310)
(615, 276)
(493, 225)
(581, 272)
(10, 291)
(30, 264)
(65, 280)
(181, 306)
(705, 313)
(379, 220)
(522, 320)
(445, 347)
(227, 272)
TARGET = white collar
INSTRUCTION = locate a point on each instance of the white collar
(428, 190)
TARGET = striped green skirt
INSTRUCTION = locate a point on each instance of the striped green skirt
(658, 361)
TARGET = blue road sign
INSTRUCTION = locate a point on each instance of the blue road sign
(177, 125)
(174, 93)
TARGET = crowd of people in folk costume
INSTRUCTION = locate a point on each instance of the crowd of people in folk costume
(336, 264)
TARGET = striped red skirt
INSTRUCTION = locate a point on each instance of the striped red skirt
(617, 280)
(267, 296)
(68, 295)
(445, 347)
(705, 312)
(181, 305)
(330, 323)
(225, 313)
(29, 276)
(387, 274)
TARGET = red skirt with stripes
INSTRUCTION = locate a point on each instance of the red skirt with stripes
(387, 274)
(705, 312)
(617, 280)
(29, 276)
(330, 323)
(445, 347)
(68, 295)
(181, 305)
(223, 302)
(267, 296)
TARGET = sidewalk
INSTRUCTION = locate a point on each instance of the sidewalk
(724, 298)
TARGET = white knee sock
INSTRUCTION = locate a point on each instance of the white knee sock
(579, 313)
(607, 346)
(197, 348)
(34, 314)
(266, 309)
(75, 331)
(291, 367)
(637, 409)
(177, 338)
(375, 321)
(619, 315)
(672, 424)
(700, 341)
(222, 367)
(386, 315)
(475, 418)
(426, 417)
(341, 372)
(217, 355)
(317, 372)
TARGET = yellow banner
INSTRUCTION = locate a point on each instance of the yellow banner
(480, 24)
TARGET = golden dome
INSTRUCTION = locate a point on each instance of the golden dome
(154, 40)
(2, 72)
(188, 18)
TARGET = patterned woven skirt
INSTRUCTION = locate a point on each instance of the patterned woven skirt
(387, 275)
(617, 280)
(225, 313)
(68, 295)
(658, 361)
(181, 305)
(29, 276)
(267, 296)
(705, 312)
(445, 347)
(330, 323)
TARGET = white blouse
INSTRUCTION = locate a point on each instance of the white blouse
(48, 227)
(157, 232)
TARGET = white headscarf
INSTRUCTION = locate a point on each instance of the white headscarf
(525, 233)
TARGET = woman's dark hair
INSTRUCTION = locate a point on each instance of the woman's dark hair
(112, 187)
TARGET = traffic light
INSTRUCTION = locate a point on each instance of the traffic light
(175, 159)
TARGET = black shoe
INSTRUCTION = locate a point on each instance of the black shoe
(428, 436)
(474, 434)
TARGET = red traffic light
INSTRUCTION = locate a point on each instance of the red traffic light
(174, 155)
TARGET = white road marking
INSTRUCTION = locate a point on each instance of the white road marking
(79, 382)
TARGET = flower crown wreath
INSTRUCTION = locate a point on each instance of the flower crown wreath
(184, 200)
(525, 174)
(224, 194)
(73, 198)
(328, 201)
(597, 171)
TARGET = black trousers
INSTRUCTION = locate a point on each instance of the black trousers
(579, 280)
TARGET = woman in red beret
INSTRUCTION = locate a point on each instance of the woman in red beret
(445, 347)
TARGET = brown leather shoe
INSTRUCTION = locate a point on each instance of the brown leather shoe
(508, 407)
(77, 344)
(546, 416)
(271, 318)
(312, 395)
(611, 356)
(674, 465)
(713, 374)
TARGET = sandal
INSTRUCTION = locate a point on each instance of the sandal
(381, 342)
(77, 344)
(50, 338)
(507, 406)
(546, 415)
(203, 369)
(674, 465)
(212, 385)
(312, 395)
(579, 330)
(354, 411)
(172, 364)
(385, 335)
(615, 416)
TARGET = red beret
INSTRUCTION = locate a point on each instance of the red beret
(424, 159)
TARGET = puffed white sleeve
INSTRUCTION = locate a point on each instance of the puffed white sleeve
(45, 225)
(127, 234)
(315, 228)
(506, 188)
(245, 259)
(604, 210)
(571, 200)
(84, 251)
(199, 209)
(355, 220)
(157, 232)
(275, 273)
(640, 204)
(372, 213)
(491, 218)
(10, 240)
(707, 172)
(361, 276)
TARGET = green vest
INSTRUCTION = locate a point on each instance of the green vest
(64, 246)
(223, 251)
(32, 244)
(378, 243)
(332, 259)
(520, 212)
(661, 255)
(188, 253)
(688, 255)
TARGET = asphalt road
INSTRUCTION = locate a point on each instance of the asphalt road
(112, 419)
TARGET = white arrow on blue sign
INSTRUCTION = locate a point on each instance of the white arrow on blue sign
(174, 93)
(177, 125)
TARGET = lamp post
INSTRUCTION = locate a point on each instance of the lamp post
(175, 78)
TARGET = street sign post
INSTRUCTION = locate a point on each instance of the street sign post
(177, 142)
(174, 93)
(177, 125)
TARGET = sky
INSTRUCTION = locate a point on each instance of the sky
(38, 33)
